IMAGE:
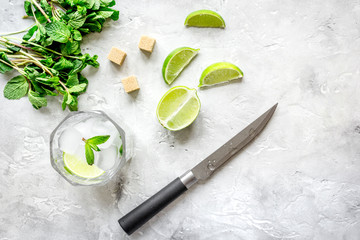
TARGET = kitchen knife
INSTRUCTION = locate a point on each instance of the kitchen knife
(144, 212)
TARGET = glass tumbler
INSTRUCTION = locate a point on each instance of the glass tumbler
(67, 148)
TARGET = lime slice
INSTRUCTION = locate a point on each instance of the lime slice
(219, 73)
(178, 108)
(176, 61)
(204, 18)
(77, 166)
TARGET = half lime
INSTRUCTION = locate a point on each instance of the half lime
(178, 108)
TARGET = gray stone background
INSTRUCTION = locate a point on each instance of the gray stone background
(299, 180)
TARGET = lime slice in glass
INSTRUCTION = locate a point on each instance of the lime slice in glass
(204, 18)
(178, 108)
(79, 167)
(219, 73)
(176, 61)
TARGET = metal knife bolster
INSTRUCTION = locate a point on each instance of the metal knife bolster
(188, 179)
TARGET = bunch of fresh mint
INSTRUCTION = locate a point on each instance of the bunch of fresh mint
(49, 57)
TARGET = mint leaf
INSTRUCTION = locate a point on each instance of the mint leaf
(27, 7)
(16, 88)
(48, 81)
(91, 144)
(77, 35)
(62, 64)
(72, 80)
(73, 106)
(78, 88)
(4, 67)
(70, 47)
(36, 100)
(89, 154)
(96, 5)
(105, 14)
(58, 31)
(45, 6)
(70, 99)
(76, 19)
(121, 149)
(98, 139)
(94, 146)
(49, 92)
(63, 104)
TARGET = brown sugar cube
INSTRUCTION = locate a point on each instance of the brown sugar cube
(147, 43)
(130, 84)
(117, 56)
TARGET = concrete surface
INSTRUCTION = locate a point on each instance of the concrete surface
(299, 180)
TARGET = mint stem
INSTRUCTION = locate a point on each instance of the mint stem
(41, 10)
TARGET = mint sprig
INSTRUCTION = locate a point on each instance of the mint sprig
(49, 56)
(91, 145)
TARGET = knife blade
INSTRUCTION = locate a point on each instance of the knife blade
(145, 211)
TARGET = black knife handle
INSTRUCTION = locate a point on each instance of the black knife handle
(145, 211)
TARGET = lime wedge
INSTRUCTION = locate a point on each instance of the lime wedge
(176, 61)
(219, 73)
(204, 18)
(77, 166)
(178, 108)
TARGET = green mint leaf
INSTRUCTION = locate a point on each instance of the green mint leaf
(78, 66)
(50, 92)
(62, 64)
(93, 26)
(98, 139)
(107, 3)
(30, 33)
(72, 80)
(58, 31)
(63, 105)
(121, 149)
(48, 81)
(13, 48)
(37, 87)
(70, 99)
(78, 88)
(27, 7)
(77, 19)
(47, 62)
(94, 146)
(74, 104)
(87, 3)
(71, 2)
(46, 7)
(39, 16)
(36, 100)
(16, 88)
(77, 35)
(92, 61)
(115, 13)
(96, 5)
(105, 14)
(82, 79)
(69, 48)
(4, 67)
(89, 154)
